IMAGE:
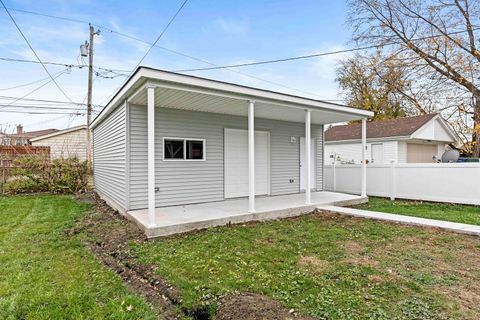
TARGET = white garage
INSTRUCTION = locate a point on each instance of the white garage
(403, 140)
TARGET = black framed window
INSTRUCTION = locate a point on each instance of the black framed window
(183, 149)
(194, 149)
(173, 149)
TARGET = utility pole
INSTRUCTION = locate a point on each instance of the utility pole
(85, 49)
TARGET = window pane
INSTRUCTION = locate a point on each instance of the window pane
(173, 149)
(194, 149)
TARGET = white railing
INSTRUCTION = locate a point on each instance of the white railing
(442, 182)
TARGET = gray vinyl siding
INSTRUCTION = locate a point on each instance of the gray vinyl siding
(109, 157)
(317, 134)
(182, 182)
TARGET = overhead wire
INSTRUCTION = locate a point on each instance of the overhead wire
(47, 101)
(38, 88)
(227, 67)
(162, 48)
(33, 50)
(172, 19)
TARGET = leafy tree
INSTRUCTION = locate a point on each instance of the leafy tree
(437, 42)
(368, 84)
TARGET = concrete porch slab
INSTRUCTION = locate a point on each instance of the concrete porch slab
(180, 219)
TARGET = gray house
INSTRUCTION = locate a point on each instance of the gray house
(170, 147)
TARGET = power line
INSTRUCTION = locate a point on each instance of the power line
(157, 46)
(162, 33)
(128, 36)
(228, 67)
(47, 101)
(24, 85)
(39, 112)
(44, 62)
(154, 43)
(58, 74)
(80, 66)
(316, 55)
(34, 52)
(17, 106)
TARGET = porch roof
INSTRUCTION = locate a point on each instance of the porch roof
(187, 92)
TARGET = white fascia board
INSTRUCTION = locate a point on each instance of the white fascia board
(54, 134)
(445, 125)
(118, 98)
(244, 97)
(190, 83)
(248, 93)
(450, 131)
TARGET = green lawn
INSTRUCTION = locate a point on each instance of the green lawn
(326, 266)
(323, 265)
(48, 275)
(440, 211)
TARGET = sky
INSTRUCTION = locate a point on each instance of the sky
(218, 31)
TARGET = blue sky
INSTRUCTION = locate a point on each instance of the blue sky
(222, 32)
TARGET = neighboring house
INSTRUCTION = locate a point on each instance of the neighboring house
(67, 143)
(22, 138)
(403, 140)
(168, 139)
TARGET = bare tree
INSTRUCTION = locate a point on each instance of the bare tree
(438, 40)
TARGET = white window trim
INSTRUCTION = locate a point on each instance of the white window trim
(204, 142)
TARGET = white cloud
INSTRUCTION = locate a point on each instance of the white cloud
(231, 26)
(325, 66)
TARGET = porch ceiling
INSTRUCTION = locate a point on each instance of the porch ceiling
(220, 103)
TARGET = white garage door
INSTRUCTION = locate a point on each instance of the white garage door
(421, 153)
(236, 163)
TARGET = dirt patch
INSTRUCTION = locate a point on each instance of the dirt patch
(356, 255)
(467, 298)
(313, 264)
(251, 306)
(108, 234)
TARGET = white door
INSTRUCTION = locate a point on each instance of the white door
(236, 163)
(303, 168)
(377, 153)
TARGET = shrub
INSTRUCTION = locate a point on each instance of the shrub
(35, 174)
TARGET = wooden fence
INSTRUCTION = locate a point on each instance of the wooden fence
(8, 155)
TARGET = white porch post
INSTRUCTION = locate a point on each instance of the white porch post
(251, 156)
(151, 154)
(308, 151)
(364, 162)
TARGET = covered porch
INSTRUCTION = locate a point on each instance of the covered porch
(287, 180)
(179, 219)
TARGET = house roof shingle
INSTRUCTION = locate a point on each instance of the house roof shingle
(399, 127)
(31, 134)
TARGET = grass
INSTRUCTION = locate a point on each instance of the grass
(440, 211)
(323, 265)
(326, 266)
(48, 275)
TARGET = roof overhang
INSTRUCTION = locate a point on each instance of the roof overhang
(179, 91)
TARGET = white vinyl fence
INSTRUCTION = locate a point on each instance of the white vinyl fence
(442, 182)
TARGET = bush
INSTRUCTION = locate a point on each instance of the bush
(35, 174)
